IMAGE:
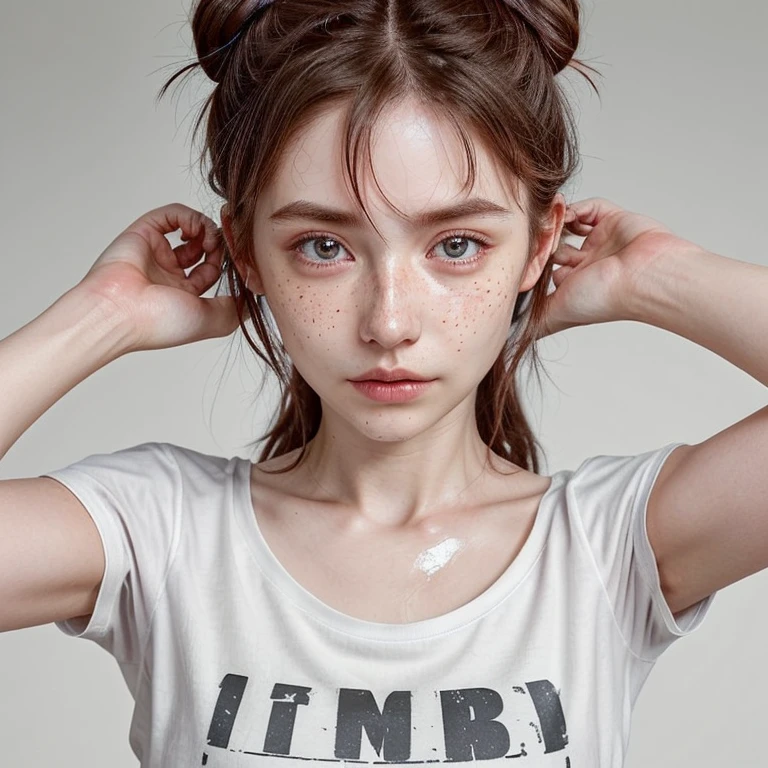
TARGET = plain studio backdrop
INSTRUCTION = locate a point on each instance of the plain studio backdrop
(680, 135)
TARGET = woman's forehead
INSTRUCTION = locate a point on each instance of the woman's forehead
(418, 159)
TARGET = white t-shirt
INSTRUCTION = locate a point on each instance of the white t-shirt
(231, 662)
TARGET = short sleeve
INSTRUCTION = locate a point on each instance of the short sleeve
(610, 495)
(132, 495)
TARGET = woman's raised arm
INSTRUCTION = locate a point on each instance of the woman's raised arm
(136, 296)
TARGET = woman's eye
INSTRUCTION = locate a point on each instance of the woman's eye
(320, 250)
(456, 247)
(324, 248)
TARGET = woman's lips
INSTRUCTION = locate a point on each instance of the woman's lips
(392, 391)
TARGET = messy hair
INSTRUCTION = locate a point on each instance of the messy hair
(488, 67)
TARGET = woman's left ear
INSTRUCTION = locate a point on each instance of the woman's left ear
(548, 242)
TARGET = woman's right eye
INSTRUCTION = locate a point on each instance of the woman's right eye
(321, 252)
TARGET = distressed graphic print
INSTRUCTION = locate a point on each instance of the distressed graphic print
(298, 723)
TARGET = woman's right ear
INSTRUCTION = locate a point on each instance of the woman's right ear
(249, 275)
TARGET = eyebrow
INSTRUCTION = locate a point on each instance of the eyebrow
(303, 209)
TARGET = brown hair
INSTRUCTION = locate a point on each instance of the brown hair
(487, 66)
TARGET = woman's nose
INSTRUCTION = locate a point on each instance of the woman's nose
(391, 305)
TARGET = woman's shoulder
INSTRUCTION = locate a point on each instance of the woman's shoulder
(508, 483)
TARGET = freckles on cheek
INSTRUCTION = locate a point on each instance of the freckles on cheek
(483, 312)
(304, 313)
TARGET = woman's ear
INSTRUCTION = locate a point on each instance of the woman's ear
(548, 243)
(249, 274)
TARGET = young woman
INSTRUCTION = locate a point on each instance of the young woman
(393, 581)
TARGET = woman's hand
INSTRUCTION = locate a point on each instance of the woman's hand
(595, 283)
(143, 279)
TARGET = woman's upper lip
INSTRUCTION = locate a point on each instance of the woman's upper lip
(396, 374)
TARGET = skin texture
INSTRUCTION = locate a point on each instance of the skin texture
(394, 478)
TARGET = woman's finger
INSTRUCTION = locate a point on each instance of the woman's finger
(558, 275)
(170, 218)
(578, 228)
(568, 255)
(203, 277)
(592, 210)
(189, 253)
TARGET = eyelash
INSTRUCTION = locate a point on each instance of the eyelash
(460, 263)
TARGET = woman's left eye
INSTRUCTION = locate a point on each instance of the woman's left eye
(455, 246)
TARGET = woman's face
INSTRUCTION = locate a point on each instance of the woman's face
(432, 295)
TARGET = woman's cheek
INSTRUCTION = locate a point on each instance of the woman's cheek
(481, 316)
(306, 315)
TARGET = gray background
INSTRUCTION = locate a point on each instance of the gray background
(84, 150)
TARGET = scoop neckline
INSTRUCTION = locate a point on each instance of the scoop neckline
(282, 580)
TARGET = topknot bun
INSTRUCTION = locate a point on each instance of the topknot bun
(217, 23)
(556, 24)
(215, 26)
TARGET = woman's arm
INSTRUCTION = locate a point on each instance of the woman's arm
(707, 515)
(136, 296)
(708, 512)
(717, 302)
(52, 354)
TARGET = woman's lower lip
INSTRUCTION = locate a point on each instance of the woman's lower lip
(392, 391)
